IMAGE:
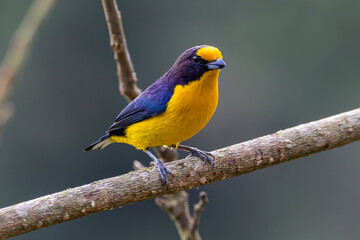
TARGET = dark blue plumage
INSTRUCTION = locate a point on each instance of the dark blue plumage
(150, 103)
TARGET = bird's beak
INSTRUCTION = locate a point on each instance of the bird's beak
(217, 64)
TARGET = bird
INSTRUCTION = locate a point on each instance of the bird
(172, 109)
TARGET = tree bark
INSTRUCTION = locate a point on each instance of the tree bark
(143, 184)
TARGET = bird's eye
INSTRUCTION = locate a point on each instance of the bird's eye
(196, 59)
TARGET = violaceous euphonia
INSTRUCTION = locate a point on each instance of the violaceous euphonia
(172, 109)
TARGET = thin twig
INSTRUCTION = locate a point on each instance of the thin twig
(198, 209)
(125, 69)
(17, 51)
(139, 185)
(138, 165)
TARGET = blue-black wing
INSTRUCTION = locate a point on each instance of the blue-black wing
(152, 102)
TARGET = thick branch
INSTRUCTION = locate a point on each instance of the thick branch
(125, 69)
(107, 194)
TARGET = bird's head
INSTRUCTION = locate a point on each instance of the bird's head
(194, 62)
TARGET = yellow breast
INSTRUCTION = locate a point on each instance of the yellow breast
(187, 112)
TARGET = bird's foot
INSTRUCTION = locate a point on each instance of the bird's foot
(161, 168)
(163, 171)
(203, 155)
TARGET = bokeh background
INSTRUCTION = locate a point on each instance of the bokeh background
(288, 62)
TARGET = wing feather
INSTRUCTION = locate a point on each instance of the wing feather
(152, 102)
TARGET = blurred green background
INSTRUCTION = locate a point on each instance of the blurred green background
(288, 62)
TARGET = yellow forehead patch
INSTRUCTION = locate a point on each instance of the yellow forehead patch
(209, 53)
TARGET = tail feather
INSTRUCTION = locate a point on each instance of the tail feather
(102, 143)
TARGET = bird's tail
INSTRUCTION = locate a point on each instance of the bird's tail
(102, 143)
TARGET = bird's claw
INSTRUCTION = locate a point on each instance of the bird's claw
(163, 171)
(161, 168)
(203, 155)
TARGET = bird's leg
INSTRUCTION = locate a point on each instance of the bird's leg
(162, 169)
(205, 156)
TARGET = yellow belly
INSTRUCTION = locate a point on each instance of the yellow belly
(187, 112)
